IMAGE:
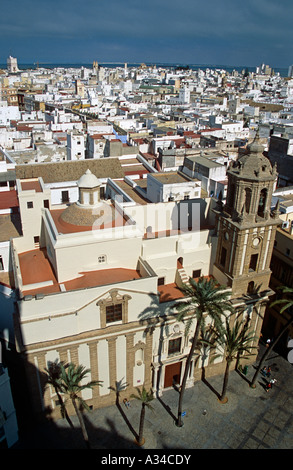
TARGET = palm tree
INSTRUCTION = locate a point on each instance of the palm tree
(119, 387)
(53, 374)
(287, 306)
(204, 298)
(70, 384)
(145, 398)
(235, 340)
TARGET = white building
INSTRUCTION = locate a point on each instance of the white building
(12, 66)
(75, 145)
(171, 186)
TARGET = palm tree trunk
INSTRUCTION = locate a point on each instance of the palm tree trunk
(225, 383)
(63, 408)
(268, 350)
(186, 372)
(81, 421)
(141, 423)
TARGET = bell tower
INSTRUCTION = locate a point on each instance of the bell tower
(246, 225)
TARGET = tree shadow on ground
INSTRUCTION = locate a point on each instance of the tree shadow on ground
(132, 430)
(205, 381)
(167, 408)
(48, 435)
(36, 427)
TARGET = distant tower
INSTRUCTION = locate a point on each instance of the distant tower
(290, 71)
(79, 88)
(95, 67)
(12, 66)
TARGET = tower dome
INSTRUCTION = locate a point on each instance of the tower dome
(88, 180)
(89, 209)
(253, 165)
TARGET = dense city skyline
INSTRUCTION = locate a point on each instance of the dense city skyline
(191, 32)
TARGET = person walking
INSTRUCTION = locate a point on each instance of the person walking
(270, 384)
(268, 372)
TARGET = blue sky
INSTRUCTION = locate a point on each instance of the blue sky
(219, 32)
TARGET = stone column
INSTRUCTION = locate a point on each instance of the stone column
(93, 349)
(129, 358)
(112, 361)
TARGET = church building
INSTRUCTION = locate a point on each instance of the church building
(97, 279)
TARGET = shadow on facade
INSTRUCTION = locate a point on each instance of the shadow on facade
(38, 430)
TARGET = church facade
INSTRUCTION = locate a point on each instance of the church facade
(98, 279)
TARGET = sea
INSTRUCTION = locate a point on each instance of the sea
(229, 68)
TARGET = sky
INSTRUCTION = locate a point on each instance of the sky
(215, 32)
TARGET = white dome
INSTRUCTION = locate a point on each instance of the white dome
(88, 180)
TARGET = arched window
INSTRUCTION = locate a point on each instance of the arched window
(262, 202)
(247, 199)
(250, 287)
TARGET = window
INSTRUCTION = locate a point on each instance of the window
(1, 264)
(46, 204)
(161, 281)
(113, 313)
(247, 199)
(196, 273)
(287, 251)
(251, 288)
(223, 257)
(65, 196)
(174, 346)
(113, 308)
(30, 204)
(262, 203)
(253, 262)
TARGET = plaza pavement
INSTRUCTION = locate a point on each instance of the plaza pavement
(251, 419)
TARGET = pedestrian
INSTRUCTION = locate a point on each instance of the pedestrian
(264, 371)
(268, 386)
(268, 342)
(272, 382)
(269, 372)
(126, 402)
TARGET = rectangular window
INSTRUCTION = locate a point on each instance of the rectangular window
(30, 205)
(161, 281)
(65, 196)
(223, 256)
(196, 273)
(113, 313)
(46, 203)
(253, 262)
(174, 346)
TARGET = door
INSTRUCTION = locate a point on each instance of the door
(172, 374)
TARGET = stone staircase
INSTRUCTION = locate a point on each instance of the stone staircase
(182, 277)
